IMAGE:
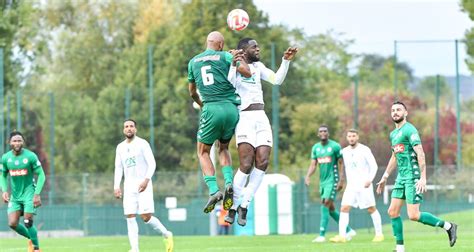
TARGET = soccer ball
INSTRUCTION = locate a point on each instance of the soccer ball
(238, 19)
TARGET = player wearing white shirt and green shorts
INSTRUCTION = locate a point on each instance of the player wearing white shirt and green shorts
(360, 167)
(134, 160)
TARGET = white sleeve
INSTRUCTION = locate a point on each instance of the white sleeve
(232, 75)
(275, 78)
(369, 157)
(150, 160)
(118, 173)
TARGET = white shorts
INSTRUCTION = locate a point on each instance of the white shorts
(254, 128)
(363, 198)
(138, 203)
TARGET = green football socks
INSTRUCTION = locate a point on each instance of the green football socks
(34, 236)
(228, 173)
(21, 230)
(429, 219)
(324, 220)
(397, 227)
(211, 183)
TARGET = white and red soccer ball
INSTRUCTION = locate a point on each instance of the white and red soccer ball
(238, 19)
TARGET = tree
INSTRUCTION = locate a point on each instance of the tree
(378, 72)
(468, 7)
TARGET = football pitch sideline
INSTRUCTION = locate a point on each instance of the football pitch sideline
(418, 237)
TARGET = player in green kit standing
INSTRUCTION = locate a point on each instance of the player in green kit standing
(208, 72)
(327, 153)
(25, 198)
(409, 157)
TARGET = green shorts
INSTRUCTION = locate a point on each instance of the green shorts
(25, 206)
(328, 190)
(218, 121)
(406, 190)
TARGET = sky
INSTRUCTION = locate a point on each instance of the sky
(376, 24)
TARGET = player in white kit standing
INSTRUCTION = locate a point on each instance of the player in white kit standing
(360, 167)
(253, 132)
(134, 160)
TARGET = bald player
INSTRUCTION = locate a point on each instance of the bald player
(208, 72)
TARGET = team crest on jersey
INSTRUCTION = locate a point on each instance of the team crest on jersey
(21, 172)
(399, 148)
(325, 160)
(17, 162)
(317, 149)
(329, 149)
(25, 161)
(415, 137)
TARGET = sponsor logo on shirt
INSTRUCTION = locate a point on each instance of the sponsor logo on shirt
(399, 148)
(242, 137)
(21, 172)
(325, 160)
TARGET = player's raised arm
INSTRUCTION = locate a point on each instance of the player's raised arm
(278, 77)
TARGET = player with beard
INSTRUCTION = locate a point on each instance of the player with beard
(360, 167)
(409, 157)
(134, 160)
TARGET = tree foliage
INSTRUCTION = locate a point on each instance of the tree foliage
(89, 55)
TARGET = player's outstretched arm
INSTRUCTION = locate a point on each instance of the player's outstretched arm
(278, 77)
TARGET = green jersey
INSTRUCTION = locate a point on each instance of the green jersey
(209, 71)
(403, 140)
(21, 169)
(327, 156)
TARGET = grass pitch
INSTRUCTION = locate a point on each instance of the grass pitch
(418, 237)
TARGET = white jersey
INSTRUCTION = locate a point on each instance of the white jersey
(360, 166)
(250, 89)
(134, 161)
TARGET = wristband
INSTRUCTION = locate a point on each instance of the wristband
(385, 175)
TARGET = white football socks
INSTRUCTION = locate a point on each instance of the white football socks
(240, 179)
(447, 225)
(343, 222)
(377, 220)
(156, 225)
(255, 179)
(132, 228)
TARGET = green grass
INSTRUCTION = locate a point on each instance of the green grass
(418, 237)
